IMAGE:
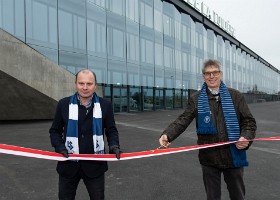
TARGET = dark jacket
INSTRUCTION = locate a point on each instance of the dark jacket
(219, 157)
(58, 132)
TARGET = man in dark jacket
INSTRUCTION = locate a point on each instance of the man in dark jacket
(78, 127)
(221, 115)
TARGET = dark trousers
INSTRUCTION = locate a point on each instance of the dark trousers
(68, 186)
(233, 178)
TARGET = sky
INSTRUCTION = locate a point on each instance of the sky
(256, 23)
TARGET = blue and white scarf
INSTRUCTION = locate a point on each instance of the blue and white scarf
(71, 142)
(206, 126)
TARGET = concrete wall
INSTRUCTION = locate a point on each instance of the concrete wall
(30, 83)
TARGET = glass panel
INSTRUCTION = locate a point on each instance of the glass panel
(51, 54)
(132, 40)
(158, 15)
(186, 28)
(168, 19)
(72, 25)
(147, 76)
(159, 49)
(146, 14)
(96, 31)
(135, 99)
(41, 23)
(120, 99)
(178, 99)
(133, 74)
(116, 43)
(169, 78)
(107, 93)
(159, 99)
(148, 98)
(8, 16)
(220, 47)
(132, 10)
(116, 37)
(168, 56)
(12, 17)
(185, 98)
(147, 51)
(117, 73)
(99, 66)
(100, 3)
(132, 47)
(159, 77)
(117, 7)
(178, 80)
(147, 56)
(73, 62)
(168, 99)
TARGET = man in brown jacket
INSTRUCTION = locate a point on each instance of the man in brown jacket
(222, 114)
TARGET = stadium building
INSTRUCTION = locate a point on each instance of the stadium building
(147, 54)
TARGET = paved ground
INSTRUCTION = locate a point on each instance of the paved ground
(168, 177)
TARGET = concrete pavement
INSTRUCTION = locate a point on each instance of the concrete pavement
(168, 177)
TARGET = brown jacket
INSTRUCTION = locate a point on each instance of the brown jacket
(219, 157)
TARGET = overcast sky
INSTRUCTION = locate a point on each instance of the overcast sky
(256, 23)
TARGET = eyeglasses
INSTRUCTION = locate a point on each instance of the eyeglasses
(215, 73)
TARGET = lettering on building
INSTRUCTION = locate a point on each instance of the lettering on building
(212, 15)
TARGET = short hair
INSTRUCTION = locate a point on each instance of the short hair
(211, 62)
(86, 70)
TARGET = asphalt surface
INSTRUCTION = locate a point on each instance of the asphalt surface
(167, 177)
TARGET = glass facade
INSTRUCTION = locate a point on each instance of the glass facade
(146, 53)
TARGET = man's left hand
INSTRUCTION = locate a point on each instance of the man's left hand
(242, 143)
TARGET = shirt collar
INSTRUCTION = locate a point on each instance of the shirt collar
(214, 91)
(88, 104)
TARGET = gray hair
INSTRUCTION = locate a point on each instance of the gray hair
(211, 62)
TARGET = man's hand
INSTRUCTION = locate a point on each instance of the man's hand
(116, 150)
(163, 140)
(65, 153)
(242, 143)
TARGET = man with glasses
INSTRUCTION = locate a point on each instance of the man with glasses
(222, 115)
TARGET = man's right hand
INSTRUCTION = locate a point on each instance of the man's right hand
(115, 150)
(163, 140)
(65, 153)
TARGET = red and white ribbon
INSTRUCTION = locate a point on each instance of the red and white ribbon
(34, 153)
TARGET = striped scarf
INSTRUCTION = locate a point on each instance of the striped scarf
(206, 126)
(71, 142)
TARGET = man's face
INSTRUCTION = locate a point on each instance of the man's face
(85, 84)
(212, 77)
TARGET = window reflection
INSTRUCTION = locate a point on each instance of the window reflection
(96, 31)
(117, 7)
(116, 44)
(72, 25)
(135, 99)
(132, 10)
(41, 23)
(146, 14)
(159, 99)
(120, 102)
(169, 99)
(148, 98)
(12, 18)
